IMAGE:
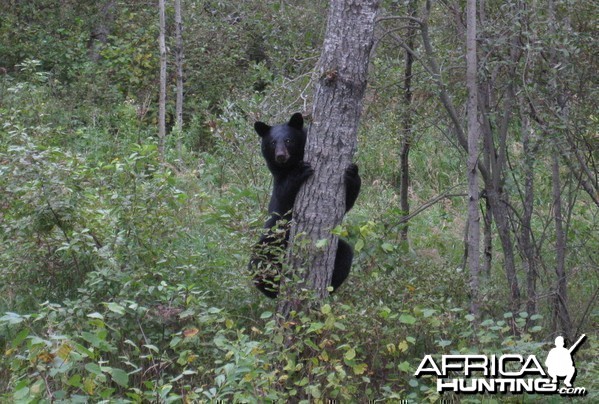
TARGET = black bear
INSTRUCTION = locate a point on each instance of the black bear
(283, 149)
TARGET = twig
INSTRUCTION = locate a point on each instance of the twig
(428, 204)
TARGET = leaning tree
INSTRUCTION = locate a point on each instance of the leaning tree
(320, 205)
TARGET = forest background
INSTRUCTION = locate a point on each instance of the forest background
(123, 265)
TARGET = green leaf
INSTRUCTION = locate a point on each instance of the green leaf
(407, 319)
(174, 342)
(93, 368)
(350, 354)
(119, 376)
(404, 366)
(326, 309)
(322, 243)
(96, 315)
(21, 393)
(74, 381)
(12, 318)
(152, 347)
(443, 342)
(359, 245)
(387, 247)
(20, 337)
(116, 308)
(91, 338)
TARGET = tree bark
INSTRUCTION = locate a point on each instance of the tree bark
(473, 138)
(162, 95)
(320, 205)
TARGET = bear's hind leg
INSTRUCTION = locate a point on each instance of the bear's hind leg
(343, 261)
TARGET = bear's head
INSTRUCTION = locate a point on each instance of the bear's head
(283, 145)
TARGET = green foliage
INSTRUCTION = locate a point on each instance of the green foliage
(123, 278)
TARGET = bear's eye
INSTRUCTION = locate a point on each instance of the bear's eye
(274, 142)
(287, 141)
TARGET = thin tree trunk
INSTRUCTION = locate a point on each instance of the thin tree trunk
(320, 204)
(179, 64)
(162, 96)
(561, 290)
(473, 137)
(406, 141)
(487, 240)
(527, 247)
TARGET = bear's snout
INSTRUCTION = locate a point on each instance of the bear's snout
(281, 155)
(281, 158)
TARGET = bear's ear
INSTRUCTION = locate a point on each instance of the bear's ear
(296, 121)
(261, 128)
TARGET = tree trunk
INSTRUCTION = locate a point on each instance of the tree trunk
(320, 204)
(179, 65)
(487, 240)
(561, 289)
(101, 30)
(406, 141)
(473, 137)
(162, 96)
(527, 247)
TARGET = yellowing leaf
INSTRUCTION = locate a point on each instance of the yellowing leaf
(45, 357)
(360, 369)
(89, 386)
(403, 346)
(64, 351)
(190, 332)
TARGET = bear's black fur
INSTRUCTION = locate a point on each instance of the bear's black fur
(283, 149)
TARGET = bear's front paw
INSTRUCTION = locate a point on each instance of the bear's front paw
(305, 170)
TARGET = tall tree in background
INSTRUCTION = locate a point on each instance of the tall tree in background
(407, 123)
(179, 65)
(473, 136)
(99, 34)
(162, 96)
(561, 113)
(342, 71)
